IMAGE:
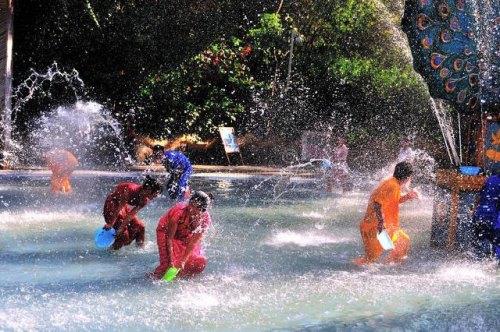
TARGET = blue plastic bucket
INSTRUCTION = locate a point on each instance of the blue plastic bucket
(104, 239)
(469, 170)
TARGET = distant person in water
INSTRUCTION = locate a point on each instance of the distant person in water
(383, 213)
(179, 168)
(121, 208)
(179, 235)
(339, 172)
(62, 163)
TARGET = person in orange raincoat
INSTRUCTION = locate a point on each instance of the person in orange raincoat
(62, 163)
(383, 213)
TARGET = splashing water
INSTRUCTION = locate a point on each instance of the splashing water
(487, 33)
(87, 129)
(446, 125)
(39, 82)
(269, 267)
(423, 164)
(26, 91)
(310, 238)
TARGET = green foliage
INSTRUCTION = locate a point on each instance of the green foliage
(214, 87)
(269, 43)
(354, 16)
(270, 25)
(190, 67)
(383, 80)
(208, 90)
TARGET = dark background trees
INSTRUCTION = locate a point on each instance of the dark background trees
(174, 67)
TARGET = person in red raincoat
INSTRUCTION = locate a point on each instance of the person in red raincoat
(62, 163)
(121, 207)
(179, 234)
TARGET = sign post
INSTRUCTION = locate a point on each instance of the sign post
(230, 143)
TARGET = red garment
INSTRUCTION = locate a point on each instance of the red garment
(125, 195)
(186, 228)
(117, 206)
(135, 230)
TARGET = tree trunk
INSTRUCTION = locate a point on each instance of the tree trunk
(6, 42)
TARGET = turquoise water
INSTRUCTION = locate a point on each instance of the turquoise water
(279, 259)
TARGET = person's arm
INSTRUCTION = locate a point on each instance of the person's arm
(378, 213)
(409, 196)
(108, 225)
(127, 218)
(133, 212)
(193, 240)
(169, 234)
(111, 211)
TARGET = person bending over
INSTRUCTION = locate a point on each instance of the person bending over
(179, 235)
(121, 208)
(383, 213)
(179, 168)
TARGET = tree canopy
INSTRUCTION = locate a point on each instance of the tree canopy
(191, 66)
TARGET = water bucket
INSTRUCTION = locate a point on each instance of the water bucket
(469, 170)
(385, 240)
(104, 239)
(171, 274)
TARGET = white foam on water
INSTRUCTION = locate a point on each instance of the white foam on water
(303, 239)
(17, 319)
(199, 300)
(319, 226)
(313, 215)
(352, 199)
(468, 272)
(149, 246)
(33, 217)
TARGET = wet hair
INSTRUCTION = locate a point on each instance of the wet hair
(200, 199)
(158, 148)
(403, 170)
(152, 184)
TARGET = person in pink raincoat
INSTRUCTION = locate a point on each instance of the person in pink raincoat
(179, 235)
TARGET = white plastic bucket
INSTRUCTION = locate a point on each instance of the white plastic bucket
(385, 240)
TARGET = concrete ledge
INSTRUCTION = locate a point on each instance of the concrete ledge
(249, 170)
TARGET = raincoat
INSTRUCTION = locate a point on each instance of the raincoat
(388, 195)
(124, 198)
(62, 163)
(186, 228)
(180, 169)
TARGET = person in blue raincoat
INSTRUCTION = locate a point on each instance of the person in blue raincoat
(179, 168)
(486, 220)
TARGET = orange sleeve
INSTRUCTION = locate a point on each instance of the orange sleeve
(386, 193)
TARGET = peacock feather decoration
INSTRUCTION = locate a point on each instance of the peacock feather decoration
(455, 48)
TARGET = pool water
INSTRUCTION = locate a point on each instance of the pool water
(279, 253)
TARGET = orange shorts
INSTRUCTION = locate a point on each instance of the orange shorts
(60, 183)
